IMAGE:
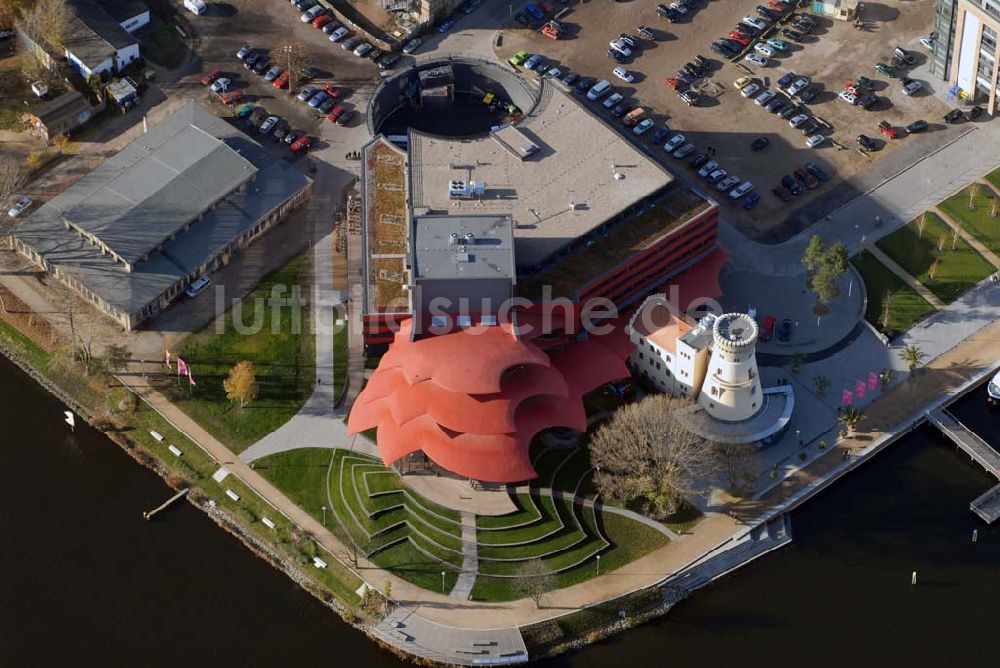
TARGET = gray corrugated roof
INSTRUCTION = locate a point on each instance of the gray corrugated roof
(45, 231)
(123, 10)
(93, 36)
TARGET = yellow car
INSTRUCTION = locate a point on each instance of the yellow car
(742, 82)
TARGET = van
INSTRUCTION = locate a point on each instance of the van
(634, 116)
(197, 286)
(767, 328)
(599, 90)
(196, 7)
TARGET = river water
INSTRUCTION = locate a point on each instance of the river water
(84, 580)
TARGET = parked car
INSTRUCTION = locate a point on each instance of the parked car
(684, 151)
(759, 144)
(312, 13)
(912, 87)
(319, 98)
(210, 77)
(623, 74)
(798, 86)
(301, 144)
(689, 97)
(809, 94)
(741, 190)
(612, 100)
(322, 21)
(339, 34)
(781, 193)
(756, 59)
(867, 143)
(806, 178)
(754, 22)
(269, 124)
(917, 126)
(346, 117)
(778, 44)
(244, 51)
(532, 62)
(674, 143)
(260, 66)
(412, 45)
(232, 97)
(697, 160)
(788, 111)
(659, 136)
(361, 49)
(766, 329)
(445, 26)
(887, 70)
(335, 113)
(789, 182)
(727, 183)
(794, 35)
(307, 92)
(570, 79)
(815, 140)
(763, 49)
(717, 175)
(351, 43)
(953, 116)
(282, 80)
(221, 84)
(775, 105)
(798, 121)
(816, 171)
(20, 207)
(708, 168)
(643, 126)
(765, 97)
(273, 74)
(848, 97)
(785, 330)
(245, 110)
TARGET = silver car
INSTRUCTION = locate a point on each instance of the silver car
(362, 49)
(339, 34)
(20, 207)
(269, 124)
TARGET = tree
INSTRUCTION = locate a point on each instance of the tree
(296, 59)
(850, 417)
(741, 464)
(942, 242)
(885, 318)
(824, 286)
(795, 362)
(913, 356)
(116, 357)
(45, 22)
(12, 174)
(921, 224)
(533, 579)
(973, 193)
(822, 384)
(932, 270)
(835, 260)
(241, 385)
(813, 256)
(954, 238)
(885, 378)
(646, 453)
(993, 207)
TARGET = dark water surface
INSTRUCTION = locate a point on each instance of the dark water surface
(84, 580)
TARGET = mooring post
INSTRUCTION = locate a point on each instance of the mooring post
(975, 535)
(913, 578)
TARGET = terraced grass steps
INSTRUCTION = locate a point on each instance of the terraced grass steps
(527, 513)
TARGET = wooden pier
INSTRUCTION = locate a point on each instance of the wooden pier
(148, 515)
(986, 506)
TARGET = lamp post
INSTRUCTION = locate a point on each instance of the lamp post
(324, 515)
(442, 582)
(798, 436)
(287, 49)
(598, 564)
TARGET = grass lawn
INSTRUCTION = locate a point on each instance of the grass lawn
(907, 307)
(163, 46)
(994, 178)
(284, 361)
(957, 270)
(577, 467)
(301, 475)
(413, 566)
(976, 221)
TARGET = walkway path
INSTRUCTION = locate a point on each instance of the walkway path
(470, 559)
(981, 248)
(916, 285)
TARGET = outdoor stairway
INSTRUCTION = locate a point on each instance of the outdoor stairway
(987, 506)
(763, 538)
(470, 559)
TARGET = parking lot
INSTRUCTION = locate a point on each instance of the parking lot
(833, 54)
(269, 25)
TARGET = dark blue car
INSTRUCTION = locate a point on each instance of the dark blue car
(751, 201)
(445, 25)
(535, 11)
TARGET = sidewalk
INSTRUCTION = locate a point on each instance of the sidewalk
(916, 285)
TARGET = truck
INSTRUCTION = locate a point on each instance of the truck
(196, 7)
(634, 116)
(553, 29)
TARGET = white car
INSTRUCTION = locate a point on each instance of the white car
(412, 45)
(717, 175)
(644, 126)
(362, 49)
(553, 72)
(678, 7)
(763, 49)
(708, 168)
(764, 97)
(927, 43)
(741, 190)
(221, 85)
(750, 90)
(308, 16)
(815, 140)
(912, 87)
(848, 97)
(756, 59)
(269, 124)
(623, 74)
(673, 143)
(798, 86)
(20, 207)
(754, 22)
(727, 183)
(339, 34)
(613, 100)
(798, 120)
(620, 48)
(244, 51)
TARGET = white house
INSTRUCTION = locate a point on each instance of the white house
(99, 35)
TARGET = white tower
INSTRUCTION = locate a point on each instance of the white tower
(731, 391)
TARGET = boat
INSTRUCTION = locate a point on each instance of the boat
(993, 388)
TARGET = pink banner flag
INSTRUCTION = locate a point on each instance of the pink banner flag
(847, 399)
(872, 380)
(168, 360)
(859, 389)
(191, 378)
(181, 366)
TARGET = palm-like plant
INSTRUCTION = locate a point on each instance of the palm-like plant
(821, 383)
(913, 356)
(851, 417)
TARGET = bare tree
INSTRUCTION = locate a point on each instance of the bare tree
(921, 224)
(533, 579)
(741, 465)
(933, 268)
(12, 175)
(46, 22)
(296, 58)
(973, 193)
(993, 207)
(647, 453)
(886, 316)
(954, 238)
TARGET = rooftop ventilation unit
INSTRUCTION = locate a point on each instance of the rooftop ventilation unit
(466, 189)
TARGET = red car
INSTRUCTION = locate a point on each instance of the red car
(210, 77)
(674, 82)
(321, 21)
(767, 328)
(301, 144)
(332, 90)
(232, 97)
(335, 114)
(739, 37)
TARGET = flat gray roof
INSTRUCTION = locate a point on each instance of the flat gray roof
(582, 175)
(231, 214)
(92, 35)
(487, 253)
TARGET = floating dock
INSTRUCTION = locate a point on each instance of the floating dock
(148, 515)
(986, 506)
